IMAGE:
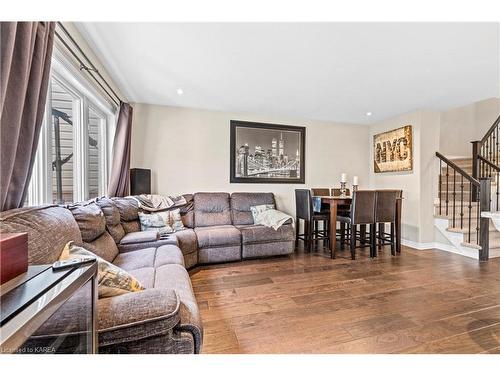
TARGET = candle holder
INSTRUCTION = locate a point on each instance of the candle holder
(342, 189)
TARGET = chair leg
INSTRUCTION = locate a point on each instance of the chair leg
(316, 230)
(326, 242)
(297, 225)
(310, 228)
(373, 244)
(353, 242)
(381, 230)
(393, 242)
(342, 236)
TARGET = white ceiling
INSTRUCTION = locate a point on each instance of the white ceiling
(326, 71)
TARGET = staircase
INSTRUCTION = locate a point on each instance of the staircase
(468, 187)
(455, 221)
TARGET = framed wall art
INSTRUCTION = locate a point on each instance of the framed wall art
(267, 153)
(393, 150)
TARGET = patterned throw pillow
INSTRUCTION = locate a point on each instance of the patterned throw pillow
(257, 210)
(175, 220)
(163, 222)
(158, 221)
(112, 280)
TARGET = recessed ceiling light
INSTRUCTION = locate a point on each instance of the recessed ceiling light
(369, 114)
(180, 91)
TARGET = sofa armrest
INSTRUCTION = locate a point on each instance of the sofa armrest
(139, 237)
(138, 315)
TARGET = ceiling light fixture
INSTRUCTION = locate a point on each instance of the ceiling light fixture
(180, 91)
(368, 114)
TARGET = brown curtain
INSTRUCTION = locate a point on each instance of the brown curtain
(120, 167)
(25, 56)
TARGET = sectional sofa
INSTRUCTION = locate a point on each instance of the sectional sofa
(163, 318)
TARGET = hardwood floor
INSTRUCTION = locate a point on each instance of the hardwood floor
(419, 302)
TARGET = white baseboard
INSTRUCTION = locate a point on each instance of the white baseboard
(426, 245)
(464, 251)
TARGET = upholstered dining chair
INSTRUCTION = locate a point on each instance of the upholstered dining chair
(304, 210)
(362, 213)
(385, 213)
(319, 206)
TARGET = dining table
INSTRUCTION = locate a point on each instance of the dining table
(337, 201)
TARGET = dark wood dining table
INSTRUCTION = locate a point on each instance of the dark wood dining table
(336, 201)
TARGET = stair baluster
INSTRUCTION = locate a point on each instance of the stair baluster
(461, 202)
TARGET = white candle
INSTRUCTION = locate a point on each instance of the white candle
(343, 177)
(355, 180)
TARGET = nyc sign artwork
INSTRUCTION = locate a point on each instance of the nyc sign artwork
(393, 150)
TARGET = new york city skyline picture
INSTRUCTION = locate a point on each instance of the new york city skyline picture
(267, 154)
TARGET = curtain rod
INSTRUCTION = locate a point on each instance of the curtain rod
(88, 66)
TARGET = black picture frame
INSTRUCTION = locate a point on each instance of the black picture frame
(235, 149)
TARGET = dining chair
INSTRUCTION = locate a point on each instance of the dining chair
(343, 210)
(304, 210)
(319, 206)
(385, 213)
(362, 213)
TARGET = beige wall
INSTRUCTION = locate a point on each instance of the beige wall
(188, 151)
(460, 126)
(419, 185)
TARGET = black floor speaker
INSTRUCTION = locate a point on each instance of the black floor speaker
(140, 181)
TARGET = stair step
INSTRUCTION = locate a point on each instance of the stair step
(471, 245)
(492, 230)
(493, 246)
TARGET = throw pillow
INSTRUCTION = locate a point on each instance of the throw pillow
(158, 221)
(112, 280)
(257, 210)
(163, 222)
(175, 220)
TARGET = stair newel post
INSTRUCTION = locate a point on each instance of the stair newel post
(485, 205)
(476, 148)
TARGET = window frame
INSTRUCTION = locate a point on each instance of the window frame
(85, 96)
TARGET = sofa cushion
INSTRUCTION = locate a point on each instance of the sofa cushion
(168, 254)
(131, 226)
(139, 237)
(49, 229)
(171, 240)
(149, 258)
(137, 316)
(136, 259)
(211, 209)
(241, 203)
(90, 219)
(104, 246)
(112, 216)
(216, 236)
(175, 277)
(128, 208)
(261, 234)
(187, 241)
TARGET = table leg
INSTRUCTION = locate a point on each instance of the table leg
(398, 225)
(333, 227)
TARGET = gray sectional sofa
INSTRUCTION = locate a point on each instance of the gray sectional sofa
(163, 318)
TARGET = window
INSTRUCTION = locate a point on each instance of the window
(72, 161)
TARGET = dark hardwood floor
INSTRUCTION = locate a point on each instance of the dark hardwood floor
(419, 302)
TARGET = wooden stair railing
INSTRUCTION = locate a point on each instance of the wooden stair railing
(478, 200)
(488, 148)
